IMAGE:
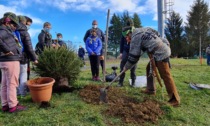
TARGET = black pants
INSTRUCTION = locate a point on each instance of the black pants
(94, 63)
(0, 75)
(122, 64)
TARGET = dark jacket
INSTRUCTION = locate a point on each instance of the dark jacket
(27, 45)
(99, 33)
(62, 43)
(124, 46)
(45, 40)
(7, 44)
(81, 52)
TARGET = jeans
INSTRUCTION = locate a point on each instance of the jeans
(21, 90)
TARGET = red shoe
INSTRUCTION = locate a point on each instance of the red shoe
(97, 78)
(17, 108)
(5, 108)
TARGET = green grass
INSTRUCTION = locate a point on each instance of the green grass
(69, 110)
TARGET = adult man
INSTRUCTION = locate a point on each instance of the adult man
(124, 51)
(9, 64)
(146, 39)
(208, 54)
(45, 38)
(100, 34)
(81, 53)
(27, 52)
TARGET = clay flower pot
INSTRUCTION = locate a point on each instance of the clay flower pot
(41, 89)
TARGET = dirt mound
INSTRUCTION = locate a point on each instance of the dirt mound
(129, 109)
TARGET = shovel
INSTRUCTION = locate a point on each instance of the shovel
(103, 91)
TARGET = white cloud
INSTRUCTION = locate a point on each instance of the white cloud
(34, 32)
(20, 3)
(15, 10)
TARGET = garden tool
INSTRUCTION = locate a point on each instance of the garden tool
(103, 91)
(155, 69)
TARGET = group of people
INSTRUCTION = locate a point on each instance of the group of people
(94, 39)
(16, 52)
(45, 39)
(134, 42)
(16, 49)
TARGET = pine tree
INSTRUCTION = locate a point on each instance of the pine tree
(197, 27)
(174, 33)
(137, 21)
(115, 30)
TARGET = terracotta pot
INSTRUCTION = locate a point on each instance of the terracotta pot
(41, 88)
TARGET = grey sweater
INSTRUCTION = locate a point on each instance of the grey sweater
(146, 39)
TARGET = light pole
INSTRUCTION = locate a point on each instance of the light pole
(200, 56)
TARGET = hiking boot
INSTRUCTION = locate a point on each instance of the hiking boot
(17, 108)
(173, 102)
(132, 83)
(148, 92)
(5, 108)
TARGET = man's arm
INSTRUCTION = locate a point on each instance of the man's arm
(87, 34)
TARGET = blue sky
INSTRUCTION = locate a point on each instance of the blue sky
(73, 17)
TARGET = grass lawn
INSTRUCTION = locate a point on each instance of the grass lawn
(68, 109)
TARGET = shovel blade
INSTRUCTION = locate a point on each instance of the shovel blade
(103, 95)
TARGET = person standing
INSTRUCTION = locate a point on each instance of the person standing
(146, 39)
(27, 52)
(60, 40)
(208, 55)
(81, 53)
(45, 38)
(124, 51)
(93, 47)
(100, 34)
(10, 64)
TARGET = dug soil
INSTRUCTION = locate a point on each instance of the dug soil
(129, 109)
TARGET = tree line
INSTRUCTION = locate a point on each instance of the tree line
(184, 37)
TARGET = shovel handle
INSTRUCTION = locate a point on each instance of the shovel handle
(155, 69)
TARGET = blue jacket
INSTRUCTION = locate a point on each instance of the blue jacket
(93, 44)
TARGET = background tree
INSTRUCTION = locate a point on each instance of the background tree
(137, 21)
(115, 30)
(174, 33)
(197, 27)
(117, 22)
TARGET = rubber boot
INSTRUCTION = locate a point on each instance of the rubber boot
(120, 84)
(165, 74)
(151, 87)
(133, 82)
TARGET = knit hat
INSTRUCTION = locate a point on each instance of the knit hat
(12, 17)
(21, 18)
(127, 30)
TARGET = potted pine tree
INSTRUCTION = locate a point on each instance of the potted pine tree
(62, 64)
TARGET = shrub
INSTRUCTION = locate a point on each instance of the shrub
(62, 64)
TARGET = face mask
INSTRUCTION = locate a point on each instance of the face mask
(28, 27)
(94, 26)
(46, 29)
(59, 39)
